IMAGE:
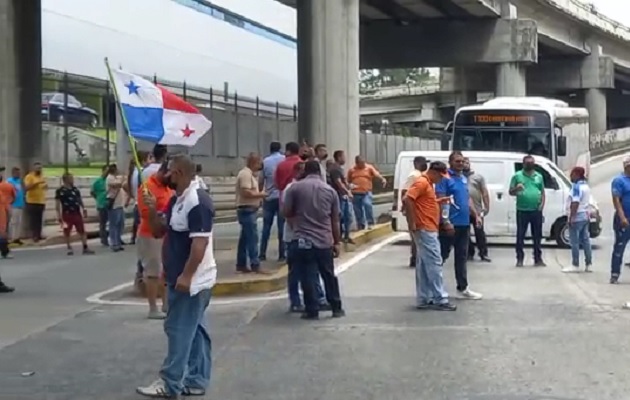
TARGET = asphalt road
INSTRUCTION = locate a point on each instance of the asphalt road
(537, 334)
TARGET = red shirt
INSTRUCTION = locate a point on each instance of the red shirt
(284, 172)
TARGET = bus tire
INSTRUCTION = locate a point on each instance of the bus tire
(561, 233)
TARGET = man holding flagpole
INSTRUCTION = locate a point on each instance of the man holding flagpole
(154, 114)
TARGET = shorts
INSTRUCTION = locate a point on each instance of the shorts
(73, 220)
(150, 255)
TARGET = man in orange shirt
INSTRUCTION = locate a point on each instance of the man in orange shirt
(7, 197)
(360, 180)
(150, 247)
(423, 217)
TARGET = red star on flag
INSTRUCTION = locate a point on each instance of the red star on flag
(187, 131)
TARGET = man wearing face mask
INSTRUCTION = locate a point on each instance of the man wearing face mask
(420, 165)
(528, 187)
(149, 247)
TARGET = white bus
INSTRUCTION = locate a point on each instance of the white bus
(530, 125)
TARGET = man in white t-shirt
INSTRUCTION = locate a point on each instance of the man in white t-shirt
(420, 164)
(579, 220)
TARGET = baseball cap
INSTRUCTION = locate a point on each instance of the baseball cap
(420, 159)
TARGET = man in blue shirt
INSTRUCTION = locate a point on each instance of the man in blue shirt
(15, 219)
(190, 273)
(271, 204)
(620, 188)
(455, 221)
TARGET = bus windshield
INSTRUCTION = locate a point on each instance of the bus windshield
(504, 130)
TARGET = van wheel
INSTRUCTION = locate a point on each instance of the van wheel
(561, 234)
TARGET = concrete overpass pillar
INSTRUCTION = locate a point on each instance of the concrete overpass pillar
(328, 73)
(463, 96)
(511, 77)
(594, 95)
(20, 82)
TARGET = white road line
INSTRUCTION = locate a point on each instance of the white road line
(97, 298)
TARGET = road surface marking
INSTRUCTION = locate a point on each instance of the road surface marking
(97, 298)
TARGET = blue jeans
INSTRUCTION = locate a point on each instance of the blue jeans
(346, 216)
(429, 278)
(622, 237)
(188, 359)
(116, 218)
(363, 209)
(534, 220)
(248, 238)
(293, 282)
(580, 236)
(271, 210)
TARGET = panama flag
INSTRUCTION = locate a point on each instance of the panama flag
(156, 115)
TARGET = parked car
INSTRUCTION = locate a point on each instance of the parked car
(76, 114)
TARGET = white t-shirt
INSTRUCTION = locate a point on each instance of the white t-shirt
(415, 174)
(287, 236)
(581, 194)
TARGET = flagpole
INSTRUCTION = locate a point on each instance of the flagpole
(132, 142)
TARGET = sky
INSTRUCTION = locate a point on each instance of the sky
(616, 9)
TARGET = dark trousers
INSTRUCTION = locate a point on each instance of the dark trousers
(459, 242)
(271, 210)
(4, 248)
(480, 241)
(102, 226)
(312, 263)
(534, 220)
(136, 222)
(35, 215)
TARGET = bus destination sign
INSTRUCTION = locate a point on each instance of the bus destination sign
(497, 118)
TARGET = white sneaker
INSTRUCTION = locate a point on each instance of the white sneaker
(571, 270)
(588, 268)
(470, 295)
(156, 390)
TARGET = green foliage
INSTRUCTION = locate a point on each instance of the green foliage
(373, 79)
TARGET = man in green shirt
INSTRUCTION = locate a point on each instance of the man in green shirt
(529, 189)
(99, 192)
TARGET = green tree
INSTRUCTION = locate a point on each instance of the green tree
(373, 79)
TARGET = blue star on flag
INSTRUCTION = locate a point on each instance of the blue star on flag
(133, 88)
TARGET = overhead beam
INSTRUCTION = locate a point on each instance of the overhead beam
(392, 9)
(445, 42)
(447, 7)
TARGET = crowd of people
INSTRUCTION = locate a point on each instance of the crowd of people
(312, 199)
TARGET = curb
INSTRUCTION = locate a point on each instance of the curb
(271, 283)
(278, 281)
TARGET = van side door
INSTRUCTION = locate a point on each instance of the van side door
(494, 172)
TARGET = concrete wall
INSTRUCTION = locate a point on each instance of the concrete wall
(94, 147)
(234, 135)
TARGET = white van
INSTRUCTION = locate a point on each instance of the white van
(498, 168)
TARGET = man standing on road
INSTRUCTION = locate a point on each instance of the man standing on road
(293, 278)
(149, 246)
(99, 193)
(321, 153)
(620, 188)
(35, 187)
(423, 218)
(284, 171)
(248, 199)
(528, 187)
(481, 201)
(271, 203)
(313, 207)
(71, 212)
(456, 221)
(578, 219)
(419, 167)
(115, 210)
(360, 179)
(7, 197)
(339, 183)
(15, 219)
(191, 272)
